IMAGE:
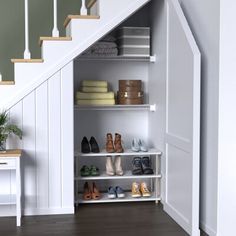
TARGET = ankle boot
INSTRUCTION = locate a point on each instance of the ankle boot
(109, 144)
(109, 166)
(117, 143)
(118, 167)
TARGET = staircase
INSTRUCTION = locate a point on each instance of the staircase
(81, 32)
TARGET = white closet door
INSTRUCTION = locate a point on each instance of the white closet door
(182, 122)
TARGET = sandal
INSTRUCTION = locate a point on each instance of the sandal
(85, 171)
(94, 171)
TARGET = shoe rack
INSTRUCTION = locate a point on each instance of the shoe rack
(153, 179)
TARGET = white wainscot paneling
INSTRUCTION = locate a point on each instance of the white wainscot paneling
(46, 118)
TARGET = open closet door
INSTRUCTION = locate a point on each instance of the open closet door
(182, 122)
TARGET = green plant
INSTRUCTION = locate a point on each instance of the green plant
(6, 128)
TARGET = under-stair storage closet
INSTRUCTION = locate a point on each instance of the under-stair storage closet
(166, 119)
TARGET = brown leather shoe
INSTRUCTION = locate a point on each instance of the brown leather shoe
(117, 143)
(87, 193)
(95, 193)
(109, 144)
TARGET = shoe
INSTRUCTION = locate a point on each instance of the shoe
(135, 145)
(135, 190)
(87, 192)
(144, 190)
(119, 192)
(118, 168)
(85, 171)
(137, 166)
(95, 193)
(94, 171)
(111, 193)
(142, 146)
(109, 144)
(146, 166)
(94, 145)
(85, 148)
(117, 144)
(109, 166)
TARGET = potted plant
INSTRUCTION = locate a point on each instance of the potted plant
(6, 129)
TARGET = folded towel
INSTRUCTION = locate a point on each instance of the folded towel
(100, 45)
(94, 83)
(102, 51)
(94, 89)
(95, 102)
(108, 38)
(100, 55)
(89, 96)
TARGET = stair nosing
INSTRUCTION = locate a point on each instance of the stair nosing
(27, 60)
(44, 38)
(7, 82)
(88, 17)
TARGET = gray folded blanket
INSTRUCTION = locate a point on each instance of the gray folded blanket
(102, 51)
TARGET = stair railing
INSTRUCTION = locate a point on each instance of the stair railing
(87, 7)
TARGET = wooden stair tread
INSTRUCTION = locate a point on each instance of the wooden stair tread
(41, 39)
(27, 60)
(7, 82)
(70, 17)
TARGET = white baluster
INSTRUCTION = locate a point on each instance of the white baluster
(55, 31)
(27, 54)
(83, 10)
(0, 77)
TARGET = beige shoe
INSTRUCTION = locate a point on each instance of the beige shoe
(144, 190)
(109, 166)
(118, 167)
(135, 190)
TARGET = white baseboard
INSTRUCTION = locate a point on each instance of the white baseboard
(207, 230)
(11, 211)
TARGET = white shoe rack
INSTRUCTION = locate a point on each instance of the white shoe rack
(153, 180)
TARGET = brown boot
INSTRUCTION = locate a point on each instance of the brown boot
(95, 192)
(109, 144)
(117, 143)
(87, 193)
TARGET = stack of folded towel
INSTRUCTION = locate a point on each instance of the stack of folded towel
(95, 93)
(105, 47)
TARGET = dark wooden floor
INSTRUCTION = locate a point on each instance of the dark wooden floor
(142, 219)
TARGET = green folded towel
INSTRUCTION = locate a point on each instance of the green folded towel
(95, 102)
(81, 95)
(94, 89)
(94, 83)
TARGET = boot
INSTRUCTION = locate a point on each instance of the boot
(109, 144)
(118, 167)
(109, 166)
(117, 144)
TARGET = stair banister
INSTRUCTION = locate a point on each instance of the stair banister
(83, 10)
(93, 6)
(27, 54)
(55, 31)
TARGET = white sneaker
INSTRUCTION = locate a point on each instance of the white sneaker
(142, 146)
(135, 145)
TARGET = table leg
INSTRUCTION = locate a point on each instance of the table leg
(18, 193)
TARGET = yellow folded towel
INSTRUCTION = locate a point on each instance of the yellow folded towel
(96, 102)
(89, 96)
(94, 83)
(94, 89)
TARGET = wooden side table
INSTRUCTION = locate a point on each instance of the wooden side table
(10, 160)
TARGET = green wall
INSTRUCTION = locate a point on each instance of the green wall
(41, 24)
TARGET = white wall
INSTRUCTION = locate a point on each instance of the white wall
(46, 118)
(204, 17)
(227, 117)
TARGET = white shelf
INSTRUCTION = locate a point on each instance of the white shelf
(142, 107)
(117, 58)
(126, 153)
(128, 198)
(127, 175)
(7, 199)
